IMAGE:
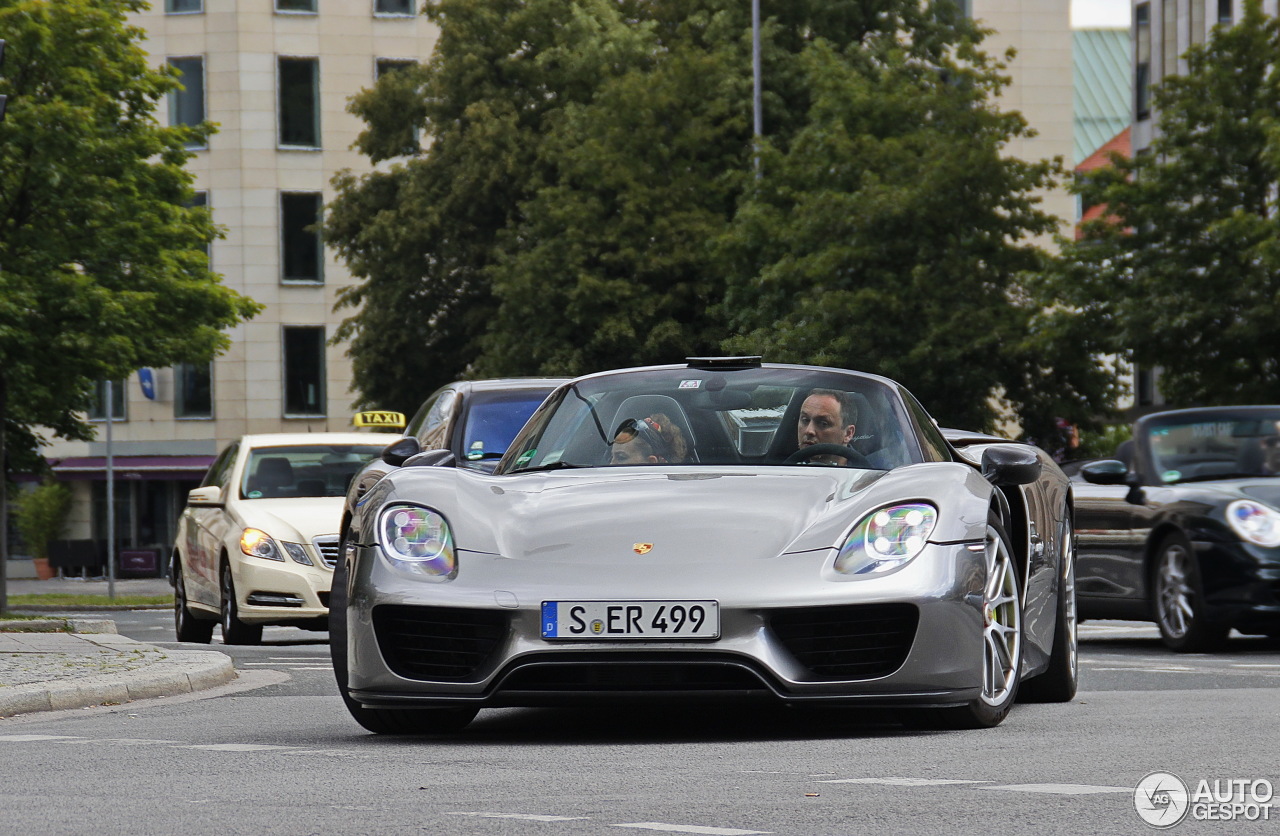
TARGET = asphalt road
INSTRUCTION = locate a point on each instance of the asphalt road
(276, 753)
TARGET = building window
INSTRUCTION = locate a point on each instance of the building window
(299, 86)
(1142, 61)
(186, 106)
(301, 253)
(304, 371)
(98, 407)
(393, 7)
(382, 66)
(175, 7)
(1168, 39)
(193, 390)
(307, 6)
(1225, 15)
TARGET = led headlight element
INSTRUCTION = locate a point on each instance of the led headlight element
(1254, 522)
(418, 539)
(887, 538)
(256, 543)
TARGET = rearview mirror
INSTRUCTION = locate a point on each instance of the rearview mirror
(206, 496)
(1106, 472)
(1006, 466)
(397, 452)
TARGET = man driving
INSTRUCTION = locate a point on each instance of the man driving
(827, 416)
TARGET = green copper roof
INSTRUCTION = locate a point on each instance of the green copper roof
(1102, 87)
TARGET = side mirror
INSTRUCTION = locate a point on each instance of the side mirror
(206, 497)
(1007, 466)
(432, 458)
(1106, 472)
(397, 452)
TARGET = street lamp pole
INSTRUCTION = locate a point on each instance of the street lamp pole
(111, 500)
(757, 116)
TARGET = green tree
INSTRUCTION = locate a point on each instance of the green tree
(40, 515)
(102, 264)
(1185, 273)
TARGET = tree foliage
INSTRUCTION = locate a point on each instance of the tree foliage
(1185, 273)
(102, 264)
(589, 199)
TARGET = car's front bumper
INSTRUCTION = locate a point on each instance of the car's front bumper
(275, 592)
(913, 636)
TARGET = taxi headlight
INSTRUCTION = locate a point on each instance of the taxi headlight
(257, 543)
(1254, 522)
(886, 539)
(418, 539)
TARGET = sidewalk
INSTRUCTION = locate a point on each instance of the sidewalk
(73, 661)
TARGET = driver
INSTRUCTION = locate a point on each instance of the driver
(827, 416)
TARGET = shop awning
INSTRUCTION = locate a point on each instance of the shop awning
(94, 468)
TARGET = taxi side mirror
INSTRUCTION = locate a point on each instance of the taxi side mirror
(206, 497)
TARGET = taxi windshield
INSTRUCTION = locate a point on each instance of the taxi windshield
(311, 470)
(691, 416)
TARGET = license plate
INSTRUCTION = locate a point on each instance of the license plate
(609, 620)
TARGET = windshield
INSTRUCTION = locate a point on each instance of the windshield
(304, 470)
(690, 416)
(1213, 447)
(493, 420)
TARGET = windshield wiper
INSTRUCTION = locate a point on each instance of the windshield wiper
(548, 466)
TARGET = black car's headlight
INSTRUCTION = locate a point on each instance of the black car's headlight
(1254, 522)
(887, 538)
(257, 543)
(419, 540)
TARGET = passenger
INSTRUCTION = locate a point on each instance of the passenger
(652, 440)
(827, 416)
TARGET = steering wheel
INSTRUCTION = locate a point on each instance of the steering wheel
(850, 455)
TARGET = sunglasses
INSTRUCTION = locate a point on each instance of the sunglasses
(648, 431)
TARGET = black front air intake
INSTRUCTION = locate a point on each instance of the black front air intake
(858, 641)
(437, 643)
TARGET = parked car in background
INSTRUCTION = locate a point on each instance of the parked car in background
(257, 542)
(1183, 527)
(670, 534)
(471, 420)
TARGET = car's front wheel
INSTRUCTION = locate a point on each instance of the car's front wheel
(1001, 642)
(235, 631)
(186, 625)
(402, 721)
(1179, 600)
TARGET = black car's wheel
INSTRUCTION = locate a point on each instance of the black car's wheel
(850, 455)
(188, 627)
(235, 631)
(379, 720)
(1178, 599)
(1059, 681)
(1001, 642)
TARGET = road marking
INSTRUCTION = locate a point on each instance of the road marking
(34, 738)
(901, 782)
(521, 816)
(691, 828)
(238, 747)
(1057, 789)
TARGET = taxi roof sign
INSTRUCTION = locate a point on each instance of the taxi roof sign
(380, 419)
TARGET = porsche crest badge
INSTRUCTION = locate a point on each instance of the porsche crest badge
(642, 548)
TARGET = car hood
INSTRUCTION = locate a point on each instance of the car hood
(1264, 489)
(295, 520)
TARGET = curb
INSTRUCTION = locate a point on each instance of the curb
(58, 625)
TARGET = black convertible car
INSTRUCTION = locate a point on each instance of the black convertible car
(1182, 528)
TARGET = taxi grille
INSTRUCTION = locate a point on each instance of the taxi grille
(861, 641)
(437, 643)
(327, 546)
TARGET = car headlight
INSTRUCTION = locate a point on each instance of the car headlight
(1254, 522)
(418, 539)
(299, 553)
(256, 543)
(887, 538)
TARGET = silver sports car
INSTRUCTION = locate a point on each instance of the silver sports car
(717, 530)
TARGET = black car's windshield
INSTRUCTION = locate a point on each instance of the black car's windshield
(1206, 446)
(691, 416)
(494, 418)
(309, 470)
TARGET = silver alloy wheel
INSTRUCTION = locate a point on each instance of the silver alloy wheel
(1068, 593)
(1001, 623)
(1174, 594)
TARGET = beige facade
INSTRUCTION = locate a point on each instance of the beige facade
(244, 171)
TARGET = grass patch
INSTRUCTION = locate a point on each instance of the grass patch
(69, 600)
(9, 616)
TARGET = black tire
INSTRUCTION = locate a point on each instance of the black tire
(187, 626)
(1177, 600)
(392, 721)
(235, 631)
(1060, 680)
(1001, 643)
